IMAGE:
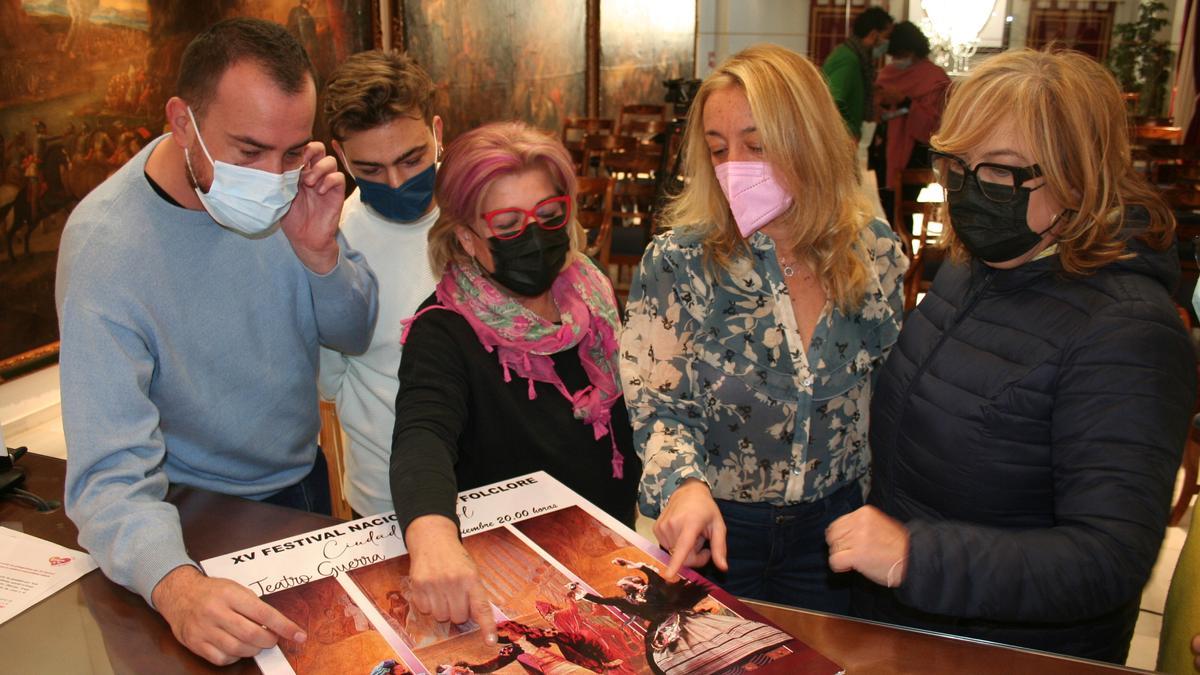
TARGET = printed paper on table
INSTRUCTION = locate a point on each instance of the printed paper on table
(33, 569)
(572, 590)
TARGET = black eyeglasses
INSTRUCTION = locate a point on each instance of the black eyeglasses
(999, 182)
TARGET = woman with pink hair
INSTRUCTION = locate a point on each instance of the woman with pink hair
(511, 366)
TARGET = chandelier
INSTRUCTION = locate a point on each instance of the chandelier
(953, 28)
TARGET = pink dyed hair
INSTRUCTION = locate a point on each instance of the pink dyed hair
(477, 158)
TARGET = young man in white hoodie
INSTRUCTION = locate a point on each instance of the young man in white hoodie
(379, 106)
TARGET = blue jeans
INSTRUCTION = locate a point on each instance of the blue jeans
(310, 494)
(778, 553)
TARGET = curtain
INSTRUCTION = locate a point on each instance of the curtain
(1186, 70)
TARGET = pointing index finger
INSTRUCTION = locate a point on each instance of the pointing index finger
(272, 619)
(717, 544)
(684, 546)
(481, 614)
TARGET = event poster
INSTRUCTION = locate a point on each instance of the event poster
(572, 591)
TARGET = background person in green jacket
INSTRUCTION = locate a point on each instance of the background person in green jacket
(850, 69)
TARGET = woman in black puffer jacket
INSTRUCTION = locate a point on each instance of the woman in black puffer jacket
(1027, 427)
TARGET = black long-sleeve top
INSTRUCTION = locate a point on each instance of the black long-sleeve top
(459, 425)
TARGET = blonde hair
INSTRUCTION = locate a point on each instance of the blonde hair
(813, 157)
(1068, 110)
(473, 161)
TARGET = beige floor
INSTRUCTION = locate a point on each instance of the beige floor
(47, 438)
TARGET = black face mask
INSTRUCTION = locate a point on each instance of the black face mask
(993, 232)
(528, 263)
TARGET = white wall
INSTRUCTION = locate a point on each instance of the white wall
(29, 401)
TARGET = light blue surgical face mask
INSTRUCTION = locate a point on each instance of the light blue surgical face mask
(245, 200)
(903, 64)
(879, 49)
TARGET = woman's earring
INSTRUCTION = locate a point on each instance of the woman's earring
(465, 243)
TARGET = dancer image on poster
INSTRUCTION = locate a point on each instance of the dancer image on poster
(531, 648)
(585, 636)
(389, 667)
(679, 638)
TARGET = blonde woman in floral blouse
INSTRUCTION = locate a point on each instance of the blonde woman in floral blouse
(754, 327)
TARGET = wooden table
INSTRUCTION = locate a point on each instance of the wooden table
(95, 626)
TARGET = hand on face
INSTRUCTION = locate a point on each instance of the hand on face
(219, 619)
(311, 225)
(868, 541)
(268, 132)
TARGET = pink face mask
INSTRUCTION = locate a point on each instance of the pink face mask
(754, 196)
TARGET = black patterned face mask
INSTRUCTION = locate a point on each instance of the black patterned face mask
(530, 262)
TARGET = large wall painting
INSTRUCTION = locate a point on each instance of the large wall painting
(500, 59)
(83, 84)
(641, 45)
(82, 89)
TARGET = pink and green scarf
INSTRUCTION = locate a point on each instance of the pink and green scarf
(525, 341)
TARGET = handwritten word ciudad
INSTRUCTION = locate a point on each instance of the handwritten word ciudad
(316, 538)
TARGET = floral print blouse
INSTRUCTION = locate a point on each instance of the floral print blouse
(720, 388)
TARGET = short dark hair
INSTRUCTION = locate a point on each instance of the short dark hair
(373, 88)
(226, 43)
(908, 39)
(872, 18)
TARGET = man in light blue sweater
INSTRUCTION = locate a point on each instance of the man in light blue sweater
(195, 286)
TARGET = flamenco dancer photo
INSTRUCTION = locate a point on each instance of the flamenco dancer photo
(679, 638)
(531, 647)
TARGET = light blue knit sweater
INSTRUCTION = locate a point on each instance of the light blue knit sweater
(189, 355)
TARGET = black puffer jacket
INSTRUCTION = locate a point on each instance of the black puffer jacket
(1027, 428)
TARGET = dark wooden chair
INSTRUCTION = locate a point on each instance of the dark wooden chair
(576, 131)
(647, 130)
(632, 158)
(1172, 164)
(919, 243)
(1145, 133)
(595, 150)
(593, 210)
(1151, 134)
(641, 111)
(634, 225)
(330, 439)
(1191, 452)
(1183, 197)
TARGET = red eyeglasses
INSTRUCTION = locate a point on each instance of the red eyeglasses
(549, 214)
